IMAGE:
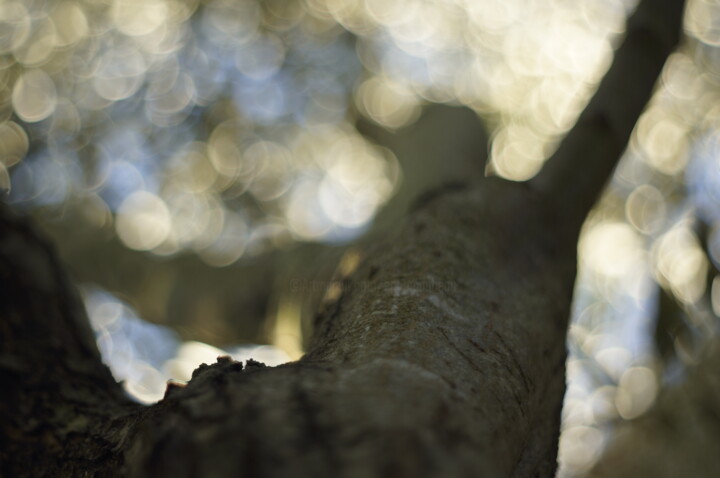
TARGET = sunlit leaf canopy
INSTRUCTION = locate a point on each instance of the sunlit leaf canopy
(227, 128)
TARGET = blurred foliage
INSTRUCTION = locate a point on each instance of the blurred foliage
(223, 132)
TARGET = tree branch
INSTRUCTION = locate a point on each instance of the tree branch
(576, 174)
(55, 389)
(444, 356)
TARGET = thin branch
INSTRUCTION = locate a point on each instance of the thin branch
(576, 174)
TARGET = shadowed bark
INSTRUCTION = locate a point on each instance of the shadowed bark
(442, 356)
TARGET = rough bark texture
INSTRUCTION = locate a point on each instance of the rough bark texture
(442, 356)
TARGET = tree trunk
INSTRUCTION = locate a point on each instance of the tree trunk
(443, 354)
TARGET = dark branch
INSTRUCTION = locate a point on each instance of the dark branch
(576, 174)
(54, 387)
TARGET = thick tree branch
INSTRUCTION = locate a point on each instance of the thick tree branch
(444, 355)
(472, 294)
(576, 174)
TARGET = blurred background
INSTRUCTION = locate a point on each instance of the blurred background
(204, 167)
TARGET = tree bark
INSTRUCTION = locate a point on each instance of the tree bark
(460, 321)
(443, 355)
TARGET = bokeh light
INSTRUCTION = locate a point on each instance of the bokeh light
(144, 356)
